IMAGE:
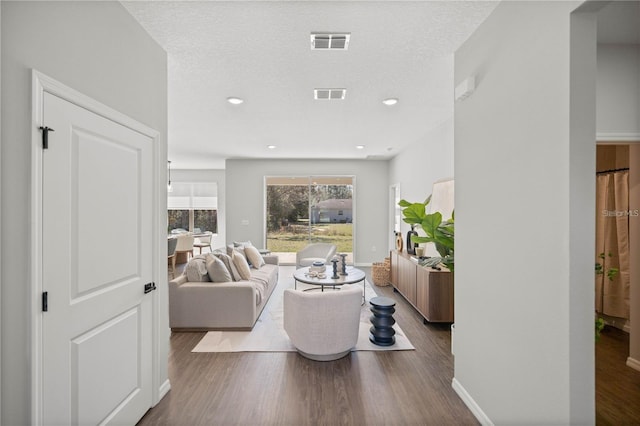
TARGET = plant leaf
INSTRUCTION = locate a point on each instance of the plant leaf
(430, 223)
(414, 213)
(419, 239)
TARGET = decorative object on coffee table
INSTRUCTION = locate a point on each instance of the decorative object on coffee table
(344, 264)
(318, 267)
(382, 332)
(335, 268)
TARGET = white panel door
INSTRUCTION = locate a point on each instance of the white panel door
(97, 257)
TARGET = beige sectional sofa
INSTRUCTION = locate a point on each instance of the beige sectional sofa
(232, 305)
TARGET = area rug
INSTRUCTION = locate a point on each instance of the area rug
(268, 334)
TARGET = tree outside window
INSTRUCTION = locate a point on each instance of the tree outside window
(178, 219)
(203, 220)
(206, 220)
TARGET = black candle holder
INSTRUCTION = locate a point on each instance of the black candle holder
(344, 264)
(335, 269)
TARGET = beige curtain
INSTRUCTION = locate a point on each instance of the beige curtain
(612, 239)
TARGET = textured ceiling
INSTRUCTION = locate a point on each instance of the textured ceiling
(259, 51)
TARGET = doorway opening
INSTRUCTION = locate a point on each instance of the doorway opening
(617, 238)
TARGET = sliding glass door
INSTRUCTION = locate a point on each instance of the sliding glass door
(305, 209)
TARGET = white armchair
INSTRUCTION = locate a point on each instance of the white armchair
(315, 252)
(323, 326)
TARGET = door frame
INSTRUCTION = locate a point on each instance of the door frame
(41, 84)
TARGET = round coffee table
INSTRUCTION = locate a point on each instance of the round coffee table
(354, 275)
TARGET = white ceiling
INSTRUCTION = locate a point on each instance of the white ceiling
(260, 51)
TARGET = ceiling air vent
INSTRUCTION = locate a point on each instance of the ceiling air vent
(329, 94)
(330, 41)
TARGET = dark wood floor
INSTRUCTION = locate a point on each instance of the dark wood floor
(365, 388)
(372, 388)
(617, 386)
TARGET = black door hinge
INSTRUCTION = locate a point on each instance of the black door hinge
(148, 288)
(45, 301)
(45, 136)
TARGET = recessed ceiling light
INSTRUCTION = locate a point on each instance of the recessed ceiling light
(271, 146)
(359, 146)
(390, 101)
(235, 101)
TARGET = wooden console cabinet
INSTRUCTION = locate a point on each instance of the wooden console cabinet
(428, 290)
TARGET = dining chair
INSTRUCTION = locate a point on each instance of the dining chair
(204, 241)
(171, 252)
(185, 245)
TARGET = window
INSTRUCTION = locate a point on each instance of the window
(306, 209)
(193, 206)
(205, 220)
(178, 219)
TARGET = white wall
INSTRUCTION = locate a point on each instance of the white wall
(524, 225)
(417, 167)
(98, 49)
(245, 199)
(217, 176)
(618, 101)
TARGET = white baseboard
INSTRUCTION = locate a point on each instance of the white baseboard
(164, 389)
(633, 363)
(470, 403)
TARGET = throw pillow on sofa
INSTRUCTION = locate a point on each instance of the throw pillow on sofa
(242, 244)
(242, 265)
(226, 259)
(196, 269)
(254, 257)
(218, 272)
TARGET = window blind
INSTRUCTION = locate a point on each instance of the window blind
(193, 195)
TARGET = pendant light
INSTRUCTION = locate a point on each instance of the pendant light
(169, 187)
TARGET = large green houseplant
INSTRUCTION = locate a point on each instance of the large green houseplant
(436, 231)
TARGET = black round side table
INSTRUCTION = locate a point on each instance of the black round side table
(382, 331)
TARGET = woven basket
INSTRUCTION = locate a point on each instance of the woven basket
(381, 271)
